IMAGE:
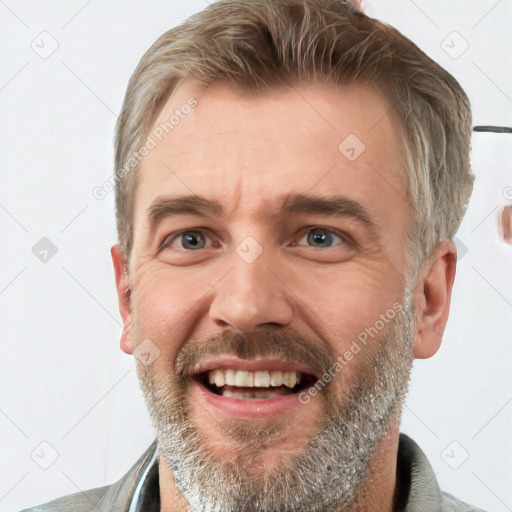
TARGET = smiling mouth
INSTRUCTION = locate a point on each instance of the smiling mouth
(254, 385)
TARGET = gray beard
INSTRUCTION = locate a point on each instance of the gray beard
(330, 474)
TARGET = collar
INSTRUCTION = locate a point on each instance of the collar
(416, 485)
(146, 497)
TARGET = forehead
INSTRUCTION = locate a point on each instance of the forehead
(245, 150)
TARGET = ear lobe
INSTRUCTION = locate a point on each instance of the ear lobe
(123, 296)
(432, 298)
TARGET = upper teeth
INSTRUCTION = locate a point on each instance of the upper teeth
(260, 378)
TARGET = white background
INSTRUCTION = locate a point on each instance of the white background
(64, 380)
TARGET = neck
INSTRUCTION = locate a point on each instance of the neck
(377, 493)
(171, 499)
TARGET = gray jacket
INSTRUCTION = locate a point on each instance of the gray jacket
(138, 490)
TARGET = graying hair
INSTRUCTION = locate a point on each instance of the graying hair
(255, 44)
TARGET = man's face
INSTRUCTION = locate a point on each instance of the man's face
(268, 283)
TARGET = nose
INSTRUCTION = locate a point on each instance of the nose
(252, 296)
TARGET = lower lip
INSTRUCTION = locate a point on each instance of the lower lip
(246, 408)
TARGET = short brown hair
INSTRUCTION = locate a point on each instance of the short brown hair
(256, 44)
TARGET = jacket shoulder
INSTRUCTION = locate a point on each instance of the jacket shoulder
(451, 504)
(79, 502)
(115, 497)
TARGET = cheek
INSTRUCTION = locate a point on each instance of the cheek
(163, 309)
(348, 300)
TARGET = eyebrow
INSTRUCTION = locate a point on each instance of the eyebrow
(182, 205)
(199, 206)
(340, 206)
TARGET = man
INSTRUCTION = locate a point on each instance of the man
(290, 174)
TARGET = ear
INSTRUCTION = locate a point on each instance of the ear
(432, 298)
(123, 295)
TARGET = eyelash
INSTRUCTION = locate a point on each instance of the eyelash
(169, 239)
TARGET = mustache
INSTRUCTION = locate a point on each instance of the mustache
(284, 344)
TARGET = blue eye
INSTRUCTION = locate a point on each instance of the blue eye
(191, 239)
(322, 237)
